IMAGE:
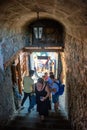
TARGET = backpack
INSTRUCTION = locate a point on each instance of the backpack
(61, 88)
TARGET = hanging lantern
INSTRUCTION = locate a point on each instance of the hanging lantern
(38, 32)
(38, 28)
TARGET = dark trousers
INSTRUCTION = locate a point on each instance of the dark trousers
(27, 95)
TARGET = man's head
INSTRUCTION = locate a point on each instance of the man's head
(52, 76)
(51, 73)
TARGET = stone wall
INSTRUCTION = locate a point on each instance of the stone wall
(7, 107)
(10, 43)
(76, 80)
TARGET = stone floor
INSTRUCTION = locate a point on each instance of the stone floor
(31, 121)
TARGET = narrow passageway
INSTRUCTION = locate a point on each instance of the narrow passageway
(34, 26)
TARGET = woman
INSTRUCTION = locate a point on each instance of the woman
(42, 98)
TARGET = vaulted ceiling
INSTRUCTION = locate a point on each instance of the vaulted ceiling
(71, 13)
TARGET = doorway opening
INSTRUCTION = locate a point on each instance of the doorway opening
(43, 62)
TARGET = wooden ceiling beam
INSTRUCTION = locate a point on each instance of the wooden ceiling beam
(39, 49)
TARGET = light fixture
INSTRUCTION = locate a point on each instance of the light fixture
(38, 28)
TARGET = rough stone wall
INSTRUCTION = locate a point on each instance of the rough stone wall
(76, 77)
(10, 43)
(7, 107)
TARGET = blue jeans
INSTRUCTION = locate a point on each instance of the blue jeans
(30, 100)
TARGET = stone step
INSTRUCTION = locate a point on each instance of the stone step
(55, 121)
(30, 128)
(36, 119)
(36, 123)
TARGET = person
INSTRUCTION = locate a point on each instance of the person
(49, 80)
(45, 76)
(42, 98)
(16, 91)
(46, 83)
(49, 83)
(17, 95)
(28, 84)
(54, 89)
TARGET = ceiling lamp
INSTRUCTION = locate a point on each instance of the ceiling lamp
(38, 28)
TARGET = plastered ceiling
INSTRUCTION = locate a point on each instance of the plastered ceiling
(71, 13)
